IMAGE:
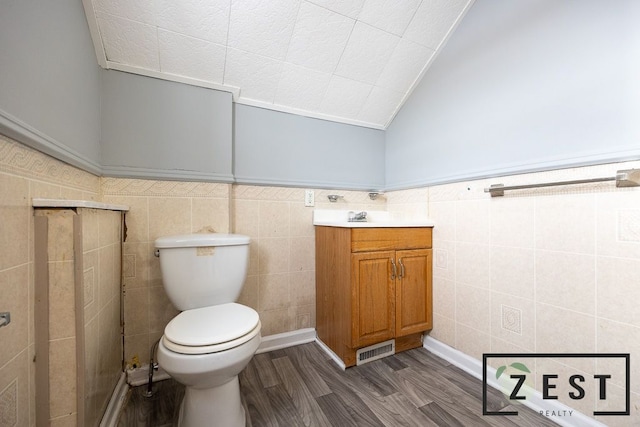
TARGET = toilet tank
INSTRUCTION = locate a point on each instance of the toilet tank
(200, 270)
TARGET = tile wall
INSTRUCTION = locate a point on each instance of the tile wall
(25, 174)
(547, 270)
(539, 270)
(158, 208)
(281, 279)
(58, 260)
(101, 278)
(83, 367)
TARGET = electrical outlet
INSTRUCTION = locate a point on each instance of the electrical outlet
(309, 198)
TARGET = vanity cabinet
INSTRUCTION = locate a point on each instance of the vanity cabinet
(372, 285)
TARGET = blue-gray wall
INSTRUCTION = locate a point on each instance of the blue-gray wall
(520, 86)
(160, 129)
(50, 80)
(276, 148)
(523, 85)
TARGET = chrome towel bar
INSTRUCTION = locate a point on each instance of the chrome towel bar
(623, 178)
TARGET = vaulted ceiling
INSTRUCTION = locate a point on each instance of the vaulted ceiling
(351, 61)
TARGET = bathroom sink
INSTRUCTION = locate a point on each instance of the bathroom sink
(340, 218)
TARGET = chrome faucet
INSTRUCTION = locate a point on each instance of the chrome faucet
(357, 217)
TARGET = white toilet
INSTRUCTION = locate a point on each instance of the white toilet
(207, 345)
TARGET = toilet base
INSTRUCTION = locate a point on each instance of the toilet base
(218, 406)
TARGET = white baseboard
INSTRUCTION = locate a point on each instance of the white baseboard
(534, 400)
(286, 339)
(333, 356)
(118, 397)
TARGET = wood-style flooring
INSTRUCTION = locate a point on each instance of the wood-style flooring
(301, 386)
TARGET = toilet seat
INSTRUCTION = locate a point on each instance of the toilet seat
(211, 329)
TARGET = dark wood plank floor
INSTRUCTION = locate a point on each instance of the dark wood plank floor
(301, 386)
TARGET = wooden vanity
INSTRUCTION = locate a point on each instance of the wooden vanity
(373, 284)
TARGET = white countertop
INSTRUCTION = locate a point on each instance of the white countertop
(339, 218)
(60, 203)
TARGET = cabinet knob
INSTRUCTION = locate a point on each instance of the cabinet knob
(393, 269)
(401, 268)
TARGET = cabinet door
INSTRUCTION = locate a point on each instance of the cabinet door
(413, 292)
(373, 298)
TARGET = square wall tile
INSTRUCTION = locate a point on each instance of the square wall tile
(302, 288)
(566, 280)
(471, 308)
(169, 216)
(512, 221)
(14, 297)
(273, 292)
(302, 253)
(513, 320)
(444, 297)
(444, 329)
(618, 228)
(246, 215)
(512, 271)
(572, 217)
(444, 260)
(473, 221)
(618, 290)
(273, 255)
(210, 215)
(473, 264)
(472, 342)
(444, 215)
(564, 331)
(274, 219)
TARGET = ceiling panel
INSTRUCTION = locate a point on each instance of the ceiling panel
(351, 61)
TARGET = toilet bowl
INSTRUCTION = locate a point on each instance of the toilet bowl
(212, 340)
(205, 349)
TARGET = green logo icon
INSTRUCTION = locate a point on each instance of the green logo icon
(519, 366)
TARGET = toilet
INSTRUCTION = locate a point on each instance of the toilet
(213, 339)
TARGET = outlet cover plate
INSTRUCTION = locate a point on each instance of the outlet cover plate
(309, 198)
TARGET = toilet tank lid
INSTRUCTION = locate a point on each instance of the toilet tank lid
(201, 239)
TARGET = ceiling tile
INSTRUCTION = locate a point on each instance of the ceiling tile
(135, 10)
(204, 19)
(188, 56)
(262, 27)
(380, 105)
(404, 66)
(433, 20)
(301, 88)
(350, 8)
(366, 54)
(345, 97)
(129, 42)
(345, 60)
(319, 37)
(389, 15)
(256, 75)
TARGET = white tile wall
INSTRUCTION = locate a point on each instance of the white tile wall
(566, 259)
